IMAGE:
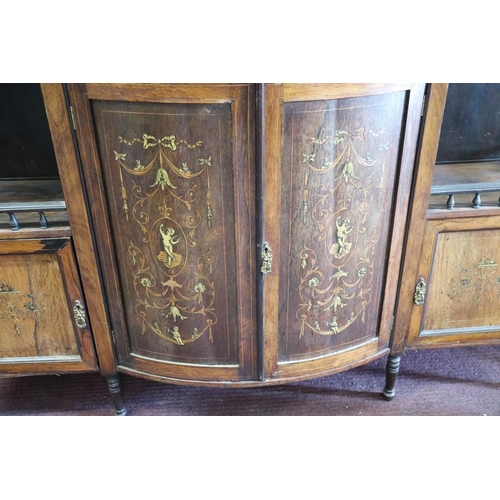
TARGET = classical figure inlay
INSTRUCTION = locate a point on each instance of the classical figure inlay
(168, 257)
(171, 296)
(337, 210)
(341, 248)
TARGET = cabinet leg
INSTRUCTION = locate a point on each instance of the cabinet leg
(116, 395)
(391, 374)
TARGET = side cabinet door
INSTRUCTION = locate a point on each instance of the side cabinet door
(337, 174)
(43, 323)
(458, 283)
(169, 171)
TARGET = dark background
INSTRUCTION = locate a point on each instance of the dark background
(26, 150)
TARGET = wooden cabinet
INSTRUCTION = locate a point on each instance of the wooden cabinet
(248, 234)
(171, 182)
(52, 317)
(337, 171)
(42, 310)
(451, 277)
(456, 300)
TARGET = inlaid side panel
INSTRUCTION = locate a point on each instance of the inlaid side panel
(169, 186)
(31, 295)
(464, 285)
(339, 175)
(44, 327)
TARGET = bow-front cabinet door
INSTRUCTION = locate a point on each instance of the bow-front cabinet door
(338, 164)
(170, 176)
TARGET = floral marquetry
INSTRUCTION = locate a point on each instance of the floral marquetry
(248, 233)
(172, 202)
(340, 161)
(42, 315)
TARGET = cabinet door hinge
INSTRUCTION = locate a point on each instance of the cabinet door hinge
(72, 113)
(423, 105)
(113, 337)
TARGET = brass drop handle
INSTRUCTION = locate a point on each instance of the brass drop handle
(420, 290)
(79, 314)
(267, 259)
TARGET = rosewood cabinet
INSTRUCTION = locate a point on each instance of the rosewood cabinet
(248, 234)
(451, 274)
(52, 317)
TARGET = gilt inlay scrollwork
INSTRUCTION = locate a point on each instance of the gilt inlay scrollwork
(476, 282)
(337, 211)
(15, 306)
(174, 300)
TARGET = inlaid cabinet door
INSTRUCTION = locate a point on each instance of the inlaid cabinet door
(43, 321)
(169, 170)
(338, 166)
(457, 289)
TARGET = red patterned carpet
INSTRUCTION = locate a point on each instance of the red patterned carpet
(441, 382)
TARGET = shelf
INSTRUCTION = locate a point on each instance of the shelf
(31, 195)
(477, 177)
(43, 197)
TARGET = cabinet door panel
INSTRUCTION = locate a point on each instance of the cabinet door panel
(459, 265)
(341, 169)
(43, 324)
(175, 180)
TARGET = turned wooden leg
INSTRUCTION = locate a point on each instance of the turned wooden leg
(116, 395)
(391, 374)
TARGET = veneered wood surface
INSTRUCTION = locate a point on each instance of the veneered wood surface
(465, 281)
(476, 177)
(194, 307)
(326, 155)
(323, 91)
(459, 262)
(74, 193)
(39, 286)
(31, 191)
(177, 93)
(436, 99)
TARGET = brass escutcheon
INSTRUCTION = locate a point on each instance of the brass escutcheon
(420, 290)
(79, 314)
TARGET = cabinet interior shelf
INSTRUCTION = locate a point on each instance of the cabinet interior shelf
(31, 195)
(41, 196)
(477, 177)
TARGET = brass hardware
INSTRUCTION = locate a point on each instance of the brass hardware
(420, 290)
(267, 259)
(79, 314)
